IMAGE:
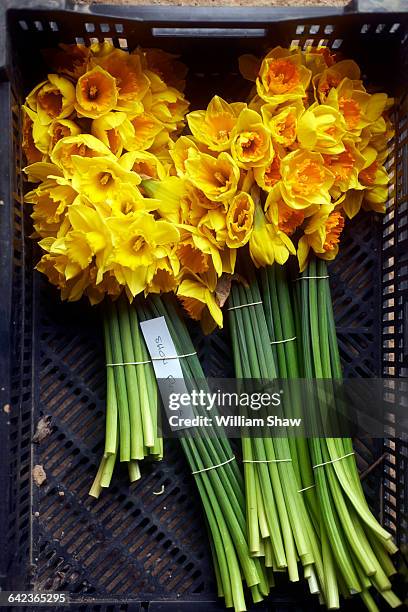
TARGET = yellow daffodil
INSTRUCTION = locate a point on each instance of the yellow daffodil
(267, 176)
(84, 145)
(164, 278)
(139, 241)
(145, 164)
(181, 151)
(113, 129)
(345, 167)
(38, 172)
(168, 107)
(358, 108)
(104, 180)
(197, 295)
(96, 93)
(374, 178)
(240, 220)
(52, 99)
(321, 128)
(318, 59)
(305, 179)
(61, 128)
(213, 225)
(282, 123)
(126, 70)
(216, 177)
(251, 144)
(214, 126)
(282, 216)
(267, 243)
(36, 138)
(321, 235)
(282, 77)
(69, 60)
(191, 257)
(50, 203)
(144, 130)
(332, 76)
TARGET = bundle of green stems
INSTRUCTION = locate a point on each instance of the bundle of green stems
(217, 476)
(132, 416)
(356, 548)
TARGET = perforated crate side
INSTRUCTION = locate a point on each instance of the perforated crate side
(128, 542)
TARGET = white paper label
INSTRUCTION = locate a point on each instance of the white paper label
(166, 367)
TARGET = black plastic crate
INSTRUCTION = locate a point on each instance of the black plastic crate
(131, 550)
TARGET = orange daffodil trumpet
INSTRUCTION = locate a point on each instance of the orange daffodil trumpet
(127, 202)
(102, 123)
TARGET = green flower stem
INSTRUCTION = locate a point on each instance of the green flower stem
(120, 384)
(134, 470)
(143, 372)
(133, 399)
(111, 431)
(96, 487)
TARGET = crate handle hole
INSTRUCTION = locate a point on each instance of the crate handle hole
(39, 26)
(364, 28)
(394, 27)
(379, 28)
(210, 32)
(23, 24)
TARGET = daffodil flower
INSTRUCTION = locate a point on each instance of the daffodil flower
(282, 122)
(96, 93)
(126, 70)
(36, 137)
(52, 99)
(267, 243)
(240, 220)
(332, 76)
(321, 128)
(305, 179)
(197, 295)
(61, 128)
(104, 180)
(251, 144)
(113, 129)
(50, 203)
(282, 77)
(216, 177)
(214, 126)
(321, 235)
(84, 145)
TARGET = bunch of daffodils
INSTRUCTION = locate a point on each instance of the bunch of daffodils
(280, 173)
(102, 122)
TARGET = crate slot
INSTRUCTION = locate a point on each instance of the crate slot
(329, 29)
(53, 26)
(394, 28)
(104, 27)
(314, 29)
(210, 32)
(380, 28)
(300, 29)
(337, 43)
(90, 27)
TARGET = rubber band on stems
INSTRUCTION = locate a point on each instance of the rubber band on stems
(311, 277)
(266, 460)
(244, 305)
(124, 363)
(333, 460)
(213, 467)
(283, 341)
(306, 488)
